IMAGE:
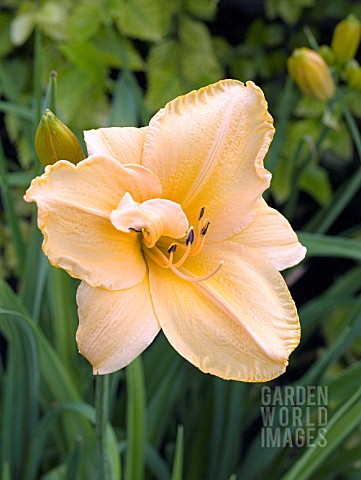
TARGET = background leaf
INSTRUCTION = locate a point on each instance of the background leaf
(145, 19)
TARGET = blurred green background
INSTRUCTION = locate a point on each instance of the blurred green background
(117, 63)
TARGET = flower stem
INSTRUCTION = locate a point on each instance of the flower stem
(135, 421)
(322, 221)
(101, 405)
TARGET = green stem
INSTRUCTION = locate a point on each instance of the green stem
(177, 473)
(135, 421)
(63, 313)
(290, 206)
(311, 38)
(37, 92)
(51, 97)
(325, 217)
(352, 125)
(300, 169)
(101, 406)
(37, 76)
(10, 212)
(286, 104)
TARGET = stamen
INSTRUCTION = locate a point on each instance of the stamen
(201, 213)
(205, 228)
(184, 256)
(196, 279)
(198, 246)
(201, 226)
(190, 238)
(202, 231)
(189, 241)
(172, 248)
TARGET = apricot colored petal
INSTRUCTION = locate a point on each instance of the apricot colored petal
(74, 204)
(154, 218)
(95, 184)
(271, 234)
(114, 326)
(207, 149)
(240, 324)
(89, 247)
(125, 144)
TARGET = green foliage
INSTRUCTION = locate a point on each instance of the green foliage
(204, 9)
(197, 53)
(164, 73)
(315, 182)
(174, 65)
(289, 12)
(82, 42)
(145, 19)
(5, 41)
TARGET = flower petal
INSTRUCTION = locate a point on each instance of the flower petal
(154, 218)
(95, 184)
(89, 247)
(271, 234)
(114, 326)
(239, 324)
(207, 149)
(125, 144)
(74, 205)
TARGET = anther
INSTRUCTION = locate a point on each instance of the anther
(190, 238)
(201, 213)
(205, 228)
(172, 248)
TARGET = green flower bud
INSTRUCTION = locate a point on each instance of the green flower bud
(352, 73)
(346, 39)
(350, 67)
(309, 70)
(55, 141)
(327, 54)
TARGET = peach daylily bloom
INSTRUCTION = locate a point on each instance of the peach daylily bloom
(167, 229)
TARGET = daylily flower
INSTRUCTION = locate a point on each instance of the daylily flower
(166, 227)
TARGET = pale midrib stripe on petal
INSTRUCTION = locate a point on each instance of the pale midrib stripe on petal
(207, 169)
(84, 208)
(225, 307)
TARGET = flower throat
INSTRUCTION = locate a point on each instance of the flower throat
(192, 246)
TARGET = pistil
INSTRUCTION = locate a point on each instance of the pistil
(196, 279)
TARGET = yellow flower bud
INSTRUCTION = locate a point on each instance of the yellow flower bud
(309, 70)
(346, 39)
(55, 141)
